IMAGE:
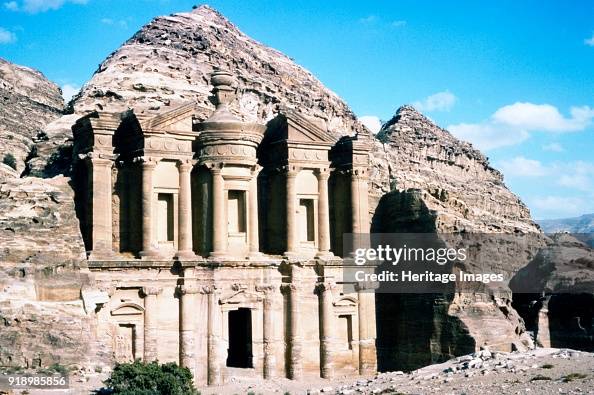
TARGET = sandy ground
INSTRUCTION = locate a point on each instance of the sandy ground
(540, 371)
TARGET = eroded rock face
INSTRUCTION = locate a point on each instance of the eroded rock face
(38, 224)
(28, 103)
(456, 180)
(555, 294)
(169, 61)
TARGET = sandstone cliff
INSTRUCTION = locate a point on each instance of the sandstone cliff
(28, 103)
(454, 179)
(420, 172)
(169, 60)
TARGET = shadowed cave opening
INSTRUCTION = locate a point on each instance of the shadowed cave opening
(413, 329)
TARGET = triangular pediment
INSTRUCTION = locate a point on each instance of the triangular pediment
(293, 126)
(177, 120)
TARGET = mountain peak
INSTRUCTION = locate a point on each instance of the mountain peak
(168, 63)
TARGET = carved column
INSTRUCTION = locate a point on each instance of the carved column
(268, 335)
(355, 202)
(151, 315)
(253, 235)
(187, 328)
(359, 201)
(102, 237)
(291, 175)
(327, 325)
(184, 244)
(214, 361)
(323, 215)
(367, 330)
(219, 219)
(148, 167)
(295, 344)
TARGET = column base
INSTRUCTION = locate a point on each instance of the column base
(187, 255)
(291, 255)
(218, 255)
(149, 254)
(102, 255)
(325, 255)
(254, 256)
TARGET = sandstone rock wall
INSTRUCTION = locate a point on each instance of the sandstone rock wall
(28, 103)
(169, 60)
(167, 63)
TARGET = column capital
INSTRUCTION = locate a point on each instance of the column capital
(359, 173)
(291, 170)
(147, 162)
(151, 290)
(215, 166)
(322, 173)
(325, 286)
(208, 289)
(267, 289)
(189, 289)
(256, 169)
(185, 165)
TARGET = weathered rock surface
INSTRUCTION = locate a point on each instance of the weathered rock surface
(435, 177)
(28, 103)
(456, 181)
(555, 294)
(38, 225)
(168, 62)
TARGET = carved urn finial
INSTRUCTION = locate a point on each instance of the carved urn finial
(223, 89)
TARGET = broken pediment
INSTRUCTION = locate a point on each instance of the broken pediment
(179, 119)
(295, 127)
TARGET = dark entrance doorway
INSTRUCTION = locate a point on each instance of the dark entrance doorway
(240, 339)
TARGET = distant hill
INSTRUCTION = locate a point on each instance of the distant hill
(581, 224)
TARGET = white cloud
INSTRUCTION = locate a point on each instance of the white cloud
(523, 167)
(35, 6)
(512, 124)
(553, 147)
(399, 23)
(368, 19)
(11, 6)
(440, 101)
(545, 117)
(559, 206)
(372, 122)
(7, 37)
(487, 136)
(68, 91)
(590, 41)
(121, 22)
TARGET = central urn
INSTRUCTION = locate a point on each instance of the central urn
(223, 136)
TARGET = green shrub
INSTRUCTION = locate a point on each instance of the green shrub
(141, 378)
(10, 160)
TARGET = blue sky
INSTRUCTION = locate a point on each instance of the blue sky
(515, 78)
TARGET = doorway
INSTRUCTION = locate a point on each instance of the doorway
(240, 339)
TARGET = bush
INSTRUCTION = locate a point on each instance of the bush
(10, 160)
(141, 378)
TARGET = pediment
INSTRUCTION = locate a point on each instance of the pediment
(179, 119)
(128, 309)
(242, 297)
(296, 127)
(346, 301)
